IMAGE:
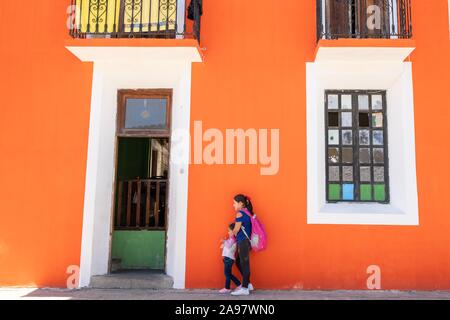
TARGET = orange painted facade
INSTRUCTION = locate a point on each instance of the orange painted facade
(253, 76)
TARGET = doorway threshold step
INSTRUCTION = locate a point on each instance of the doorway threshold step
(133, 279)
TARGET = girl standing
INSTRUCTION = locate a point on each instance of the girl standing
(243, 230)
(229, 247)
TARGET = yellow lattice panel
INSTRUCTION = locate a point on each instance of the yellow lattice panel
(112, 16)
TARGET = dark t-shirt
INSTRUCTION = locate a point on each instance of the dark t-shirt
(246, 224)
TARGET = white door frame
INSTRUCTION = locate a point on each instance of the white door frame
(108, 77)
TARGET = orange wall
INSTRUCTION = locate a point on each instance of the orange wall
(253, 77)
(44, 121)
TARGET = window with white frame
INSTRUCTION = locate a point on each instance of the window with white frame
(371, 106)
(356, 146)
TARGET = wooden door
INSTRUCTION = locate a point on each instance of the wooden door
(139, 227)
(373, 18)
(338, 18)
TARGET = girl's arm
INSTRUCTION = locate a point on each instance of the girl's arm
(238, 224)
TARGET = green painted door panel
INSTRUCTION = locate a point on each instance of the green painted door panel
(139, 249)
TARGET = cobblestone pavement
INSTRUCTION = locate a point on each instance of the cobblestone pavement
(119, 294)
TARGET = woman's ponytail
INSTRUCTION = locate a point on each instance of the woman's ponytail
(246, 201)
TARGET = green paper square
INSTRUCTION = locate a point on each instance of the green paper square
(366, 192)
(334, 192)
(380, 192)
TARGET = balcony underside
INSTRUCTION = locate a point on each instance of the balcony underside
(363, 50)
(135, 50)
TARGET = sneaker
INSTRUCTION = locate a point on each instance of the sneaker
(241, 292)
(250, 287)
(224, 290)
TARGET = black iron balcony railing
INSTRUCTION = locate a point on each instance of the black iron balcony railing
(135, 18)
(383, 19)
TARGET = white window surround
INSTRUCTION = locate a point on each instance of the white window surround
(396, 78)
(144, 70)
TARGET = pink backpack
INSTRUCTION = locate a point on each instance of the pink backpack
(258, 238)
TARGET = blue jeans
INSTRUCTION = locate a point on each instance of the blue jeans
(228, 264)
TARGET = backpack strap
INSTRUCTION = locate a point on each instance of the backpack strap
(247, 213)
(242, 227)
(243, 230)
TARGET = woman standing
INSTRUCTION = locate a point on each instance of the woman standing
(243, 230)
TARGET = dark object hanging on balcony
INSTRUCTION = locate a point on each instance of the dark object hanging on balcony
(195, 6)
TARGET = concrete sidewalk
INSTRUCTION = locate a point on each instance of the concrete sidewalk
(121, 294)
